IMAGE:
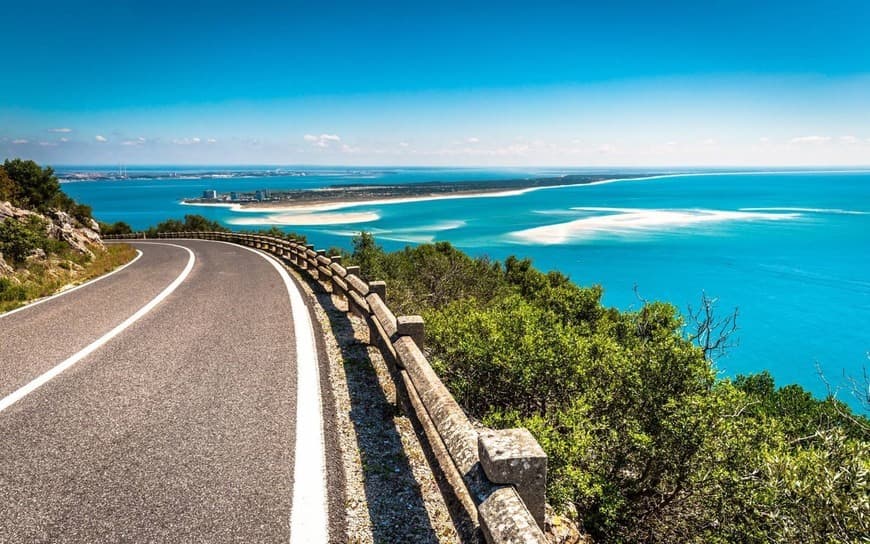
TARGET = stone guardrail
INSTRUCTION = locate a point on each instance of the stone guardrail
(498, 476)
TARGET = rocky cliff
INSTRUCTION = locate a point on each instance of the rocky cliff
(61, 226)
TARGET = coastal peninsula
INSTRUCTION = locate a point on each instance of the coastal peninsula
(346, 194)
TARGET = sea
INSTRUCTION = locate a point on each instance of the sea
(790, 250)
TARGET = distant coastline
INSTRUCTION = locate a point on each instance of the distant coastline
(342, 196)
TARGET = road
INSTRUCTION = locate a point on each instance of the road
(177, 400)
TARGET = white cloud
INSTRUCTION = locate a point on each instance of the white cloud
(709, 141)
(764, 139)
(851, 140)
(61, 130)
(138, 141)
(101, 139)
(20, 141)
(811, 139)
(515, 149)
(606, 148)
(186, 141)
(211, 141)
(323, 140)
(348, 149)
(403, 144)
(472, 140)
(63, 139)
(48, 144)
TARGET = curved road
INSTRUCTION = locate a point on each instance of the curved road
(177, 400)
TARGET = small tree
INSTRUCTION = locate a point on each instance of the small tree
(38, 188)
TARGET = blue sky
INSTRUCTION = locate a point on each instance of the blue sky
(447, 83)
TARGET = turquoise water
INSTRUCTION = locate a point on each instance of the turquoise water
(790, 250)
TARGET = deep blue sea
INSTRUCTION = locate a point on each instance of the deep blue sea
(790, 250)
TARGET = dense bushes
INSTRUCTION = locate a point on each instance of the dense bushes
(29, 186)
(646, 444)
(118, 227)
(20, 239)
(191, 223)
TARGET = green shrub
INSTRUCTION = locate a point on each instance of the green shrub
(191, 223)
(645, 443)
(18, 239)
(119, 227)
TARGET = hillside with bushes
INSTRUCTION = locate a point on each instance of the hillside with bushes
(646, 442)
(47, 240)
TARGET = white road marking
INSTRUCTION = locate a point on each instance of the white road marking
(70, 290)
(25, 390)
(309, 522)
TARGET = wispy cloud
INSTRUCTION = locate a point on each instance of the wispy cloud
(63, 139)
(851, 140)
(323, 140)
(20, 141)
(186, 141)
(101, 139)
(138, 141)
(709, 141)
(48, 144)
(472, 140)
(211, 141)
(403, 144)
(63, 130)
(810, 139)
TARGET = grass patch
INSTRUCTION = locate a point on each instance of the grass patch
(40, 279)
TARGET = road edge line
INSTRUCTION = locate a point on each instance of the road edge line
(309, 518)
(47, 376)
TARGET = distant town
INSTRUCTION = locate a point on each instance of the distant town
(260, 195)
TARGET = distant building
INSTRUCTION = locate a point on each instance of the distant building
(234, 196)
(211, 193)
(263, 194)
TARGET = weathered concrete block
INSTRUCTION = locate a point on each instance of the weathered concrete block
(379, 288)
(514, 457)
(384, 315)
(504, 519)
(357, 284)
(413, 326)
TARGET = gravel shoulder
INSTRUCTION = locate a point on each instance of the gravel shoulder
(391, 492)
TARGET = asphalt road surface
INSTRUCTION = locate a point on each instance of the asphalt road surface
(177, 400)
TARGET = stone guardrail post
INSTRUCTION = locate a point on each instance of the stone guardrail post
(514, 457)
(413, 326)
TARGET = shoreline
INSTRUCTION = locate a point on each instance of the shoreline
(408, 193)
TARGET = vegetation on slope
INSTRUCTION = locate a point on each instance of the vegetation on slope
(197, 223)
(47, 240)
(646, 443)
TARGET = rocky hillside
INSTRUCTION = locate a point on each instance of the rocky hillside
(47, 240)
(79, 237)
